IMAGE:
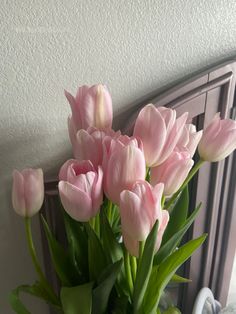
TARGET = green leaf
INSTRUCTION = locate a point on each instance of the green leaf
(165, 271)
(36, 290)
(172, 243)
(178, 216)
(77, 300)
(111, 246)
(178, 279)
(172, 310)
(96, 256)
(16, 303)
(113, 251)
(61, 261)
(78, 245)
(144, 269)
(106, 282)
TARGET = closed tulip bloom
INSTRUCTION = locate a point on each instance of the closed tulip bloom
(92, 106)
(27, 191)
(159, 131)
(218, 140)
(172, 172)
(189, 139)
(140, 207)
(80, 189)
(125, 164)
(89, 144)
(115, 143)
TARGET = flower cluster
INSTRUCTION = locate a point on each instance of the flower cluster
(139, 175)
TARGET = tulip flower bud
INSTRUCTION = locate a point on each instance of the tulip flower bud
(27, 191)
(159, 131)
(218, 140)
(89, 144)
(92, 106)
(139, 209)
(189, 139)
(80, 189)
(124, 165)
(172, 172)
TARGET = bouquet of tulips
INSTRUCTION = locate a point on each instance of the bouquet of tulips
(124, 200)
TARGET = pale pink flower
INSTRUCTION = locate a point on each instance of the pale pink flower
(160, 131)
(189, 139)
(140, 207)
(80, 189)
(172, 172)
(92, 106)
(123, 166)
(218, 139)
(27, 191)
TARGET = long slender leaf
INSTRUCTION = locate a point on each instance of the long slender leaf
(61, 261)
(35, 290)
(111, 246)
(96, 255)
(144, 269)
(106, 282)
(77, 300)
(178, 216)
(172, 243)
(78, 245)
(179, 279)
(165, 271)
(15, 301)
(114, 252)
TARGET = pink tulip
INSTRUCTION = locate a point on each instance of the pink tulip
(218, 140)
(139, 209)
(159, 131)
(172, 172)
(189, 139)
(80, 189)
(111, 144)
(89, 144)
(92, 106)
(27, 191)
(124, 165)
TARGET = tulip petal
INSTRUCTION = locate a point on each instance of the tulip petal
(131, 245)
(63, 171)
(75, 111)
(18, 197)
(33, 190)
(124, 167)
(97, 191)
(172, 138)
(151, 129)
(161, 229)
(134, 219)
(75, 202)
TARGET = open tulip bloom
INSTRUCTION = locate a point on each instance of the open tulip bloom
(120, 200)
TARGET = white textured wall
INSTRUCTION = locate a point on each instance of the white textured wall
(45, 46)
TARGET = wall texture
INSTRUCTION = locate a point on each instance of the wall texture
(132, 46)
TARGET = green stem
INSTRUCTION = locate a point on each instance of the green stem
(133, 263)
(92, 222)
(128, 272)
(42, 278)
(141, 248)
(147, 174)
(97, 225)
(109, 212)
(163, 201)
(189, 177)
